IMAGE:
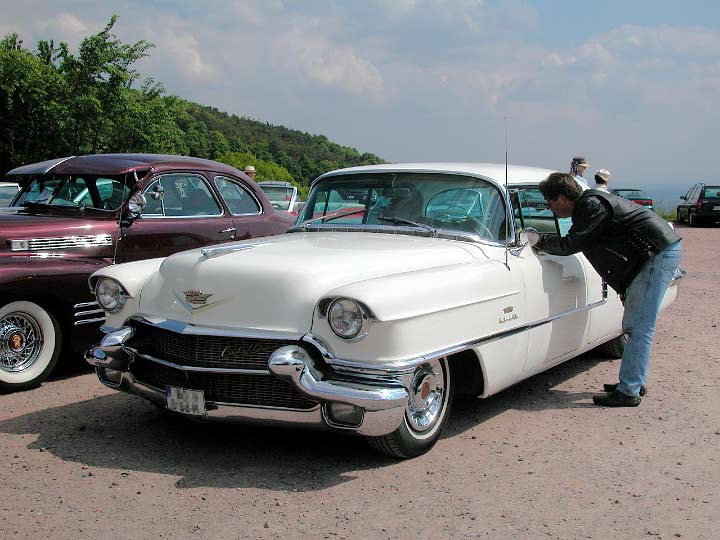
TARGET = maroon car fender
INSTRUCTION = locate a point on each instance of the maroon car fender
(58, 285)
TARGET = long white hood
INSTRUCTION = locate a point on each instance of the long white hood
(273, 284)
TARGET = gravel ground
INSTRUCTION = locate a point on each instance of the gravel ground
(536, 461)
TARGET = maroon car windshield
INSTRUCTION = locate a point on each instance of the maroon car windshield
(79, 191)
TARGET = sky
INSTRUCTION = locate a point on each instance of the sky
(631, 85)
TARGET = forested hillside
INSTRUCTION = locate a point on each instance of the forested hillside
(55, 103)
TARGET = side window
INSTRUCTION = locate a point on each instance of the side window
(185, 195)
(74, 188)
(531, 210)
(112, 193)
(693, 198)
(238, 199)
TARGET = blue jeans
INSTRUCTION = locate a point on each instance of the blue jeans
(642, 304)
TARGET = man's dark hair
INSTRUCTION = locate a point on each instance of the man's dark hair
(560, 184)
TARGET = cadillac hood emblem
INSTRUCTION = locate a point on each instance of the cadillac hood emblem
(197, 298)
(195, 301)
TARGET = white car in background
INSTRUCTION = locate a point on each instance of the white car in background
(283, 195)
(400, 286)
(8, 190)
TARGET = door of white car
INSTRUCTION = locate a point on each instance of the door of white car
(555, 287)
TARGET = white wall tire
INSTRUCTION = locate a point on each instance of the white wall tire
(426, 414)
(30, 342)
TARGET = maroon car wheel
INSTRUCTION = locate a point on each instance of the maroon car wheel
(29, 345)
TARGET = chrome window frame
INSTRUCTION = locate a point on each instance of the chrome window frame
(197, 175)
(241, 186)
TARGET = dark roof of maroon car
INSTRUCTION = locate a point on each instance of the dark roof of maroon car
(120, 164)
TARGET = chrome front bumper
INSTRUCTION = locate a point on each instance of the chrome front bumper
(380, 403)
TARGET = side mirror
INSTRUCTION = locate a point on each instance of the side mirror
(523, 239)
(136, 205)
(683, 198)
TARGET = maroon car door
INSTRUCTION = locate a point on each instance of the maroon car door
(187, 216)
(249, 219)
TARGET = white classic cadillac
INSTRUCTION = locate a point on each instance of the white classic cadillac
(399, 286)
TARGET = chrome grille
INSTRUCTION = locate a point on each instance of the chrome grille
(241, 389)
(205, 351)
(62, 242)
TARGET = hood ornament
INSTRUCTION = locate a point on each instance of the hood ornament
(197, 298)
(195, 301)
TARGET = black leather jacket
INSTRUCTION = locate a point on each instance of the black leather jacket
(616, 235)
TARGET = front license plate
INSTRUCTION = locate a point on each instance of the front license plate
(716, 208)
(185, 401)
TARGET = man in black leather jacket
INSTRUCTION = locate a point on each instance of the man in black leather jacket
(634, 250)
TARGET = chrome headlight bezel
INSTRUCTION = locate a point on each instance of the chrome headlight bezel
(110, 294)
(348, 319)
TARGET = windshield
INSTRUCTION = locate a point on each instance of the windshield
(632, 193)
(280, 197)
(445, 202)
(105, 193)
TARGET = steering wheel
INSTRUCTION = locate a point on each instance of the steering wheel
(449, 217)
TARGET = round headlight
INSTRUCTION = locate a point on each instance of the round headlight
(346, 318)
(110, 295)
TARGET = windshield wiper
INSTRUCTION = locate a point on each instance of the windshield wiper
(395, 220)
(329, 217)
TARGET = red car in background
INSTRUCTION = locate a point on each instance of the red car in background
(75, 215)
(637, 196)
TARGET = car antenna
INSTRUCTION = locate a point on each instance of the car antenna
(508, 199)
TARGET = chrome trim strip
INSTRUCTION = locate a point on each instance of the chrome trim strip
(89, 312)
(198, 368)
(89, 321)
(63, 242)
(86, 304)
(403, 367)
(223, 250)
(190, 329)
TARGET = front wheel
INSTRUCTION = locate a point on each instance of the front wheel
(30, 343)
(429, 403)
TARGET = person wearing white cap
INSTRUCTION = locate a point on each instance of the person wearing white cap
(250, 171)
(602, 177)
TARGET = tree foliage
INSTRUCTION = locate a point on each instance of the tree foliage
(54, 103)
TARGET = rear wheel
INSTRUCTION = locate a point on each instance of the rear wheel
(679, 216)
(427, 412)
(614, 348)
(30, 343)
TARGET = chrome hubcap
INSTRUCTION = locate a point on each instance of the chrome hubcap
(20, 342)
(427, 395)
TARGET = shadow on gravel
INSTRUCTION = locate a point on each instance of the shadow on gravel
(534, 394)
(124, 432)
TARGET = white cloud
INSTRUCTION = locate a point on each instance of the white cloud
(315, 58)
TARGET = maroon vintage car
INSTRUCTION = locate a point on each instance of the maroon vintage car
(77, 214)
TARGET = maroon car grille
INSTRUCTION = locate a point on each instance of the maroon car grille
(240, 389)
(205, 351)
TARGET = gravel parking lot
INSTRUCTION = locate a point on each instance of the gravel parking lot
(536, 461)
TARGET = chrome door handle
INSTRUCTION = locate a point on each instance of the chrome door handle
(229, 229)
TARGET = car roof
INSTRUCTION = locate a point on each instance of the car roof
(113, 164)
(274, 183)
(516, 174)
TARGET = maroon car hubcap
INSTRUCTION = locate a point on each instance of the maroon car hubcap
(20, 342)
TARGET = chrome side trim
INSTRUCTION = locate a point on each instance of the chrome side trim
(89, 321)
(86, 304)
(404, 367)
(89, 312)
